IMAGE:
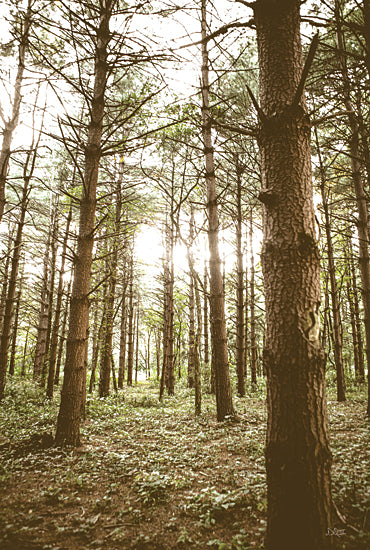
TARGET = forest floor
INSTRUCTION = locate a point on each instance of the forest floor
(150, 476)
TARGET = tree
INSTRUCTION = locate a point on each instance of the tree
(68, 426)
(298, 458)
(217, 302)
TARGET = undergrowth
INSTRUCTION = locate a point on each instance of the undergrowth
(152, 476)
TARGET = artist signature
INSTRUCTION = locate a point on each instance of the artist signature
(335, 532)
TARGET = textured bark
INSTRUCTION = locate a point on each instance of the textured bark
(240, 347)
(57, 314)
(253, 343)
(297, 449)
(220, 361)
(68, 425)
(11, 124)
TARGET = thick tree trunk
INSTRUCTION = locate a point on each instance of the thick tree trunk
(297, 449)
(240, 348)
(220, 360)
(68, 426)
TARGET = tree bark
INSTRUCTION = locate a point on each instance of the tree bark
(220, 360)
(297, 452)
(68, 425)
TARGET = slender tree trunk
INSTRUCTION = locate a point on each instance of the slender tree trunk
(111, 295)
(298, 459)
(50, 294)
(68, 425)
(130, 343)
(42, 325)
(97, 333)
(24, 359)
(14, 335)
(57, 314)
(205, 328)
(11, 124)
(356, 305)
(253, 359)
(122, 342)
(137, 343)
(191, 345)
(363, 215)
(9, 303)
(337, 321)
(240, 342)
(224, 401)
(62, 336)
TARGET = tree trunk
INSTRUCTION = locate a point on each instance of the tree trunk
(253, 344)
(122, 341)
(240, 343)
(191, 344)
(224, 401)
(57, 314)
(363, 215)
(62, 336)
(11, 124)
(297, 448)
(130, 343)
(42, 325)
(14, 335)
(356, 306)
(207, 374)
(337, 321)
(50, 295)
(68, 425)
(9, 303)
